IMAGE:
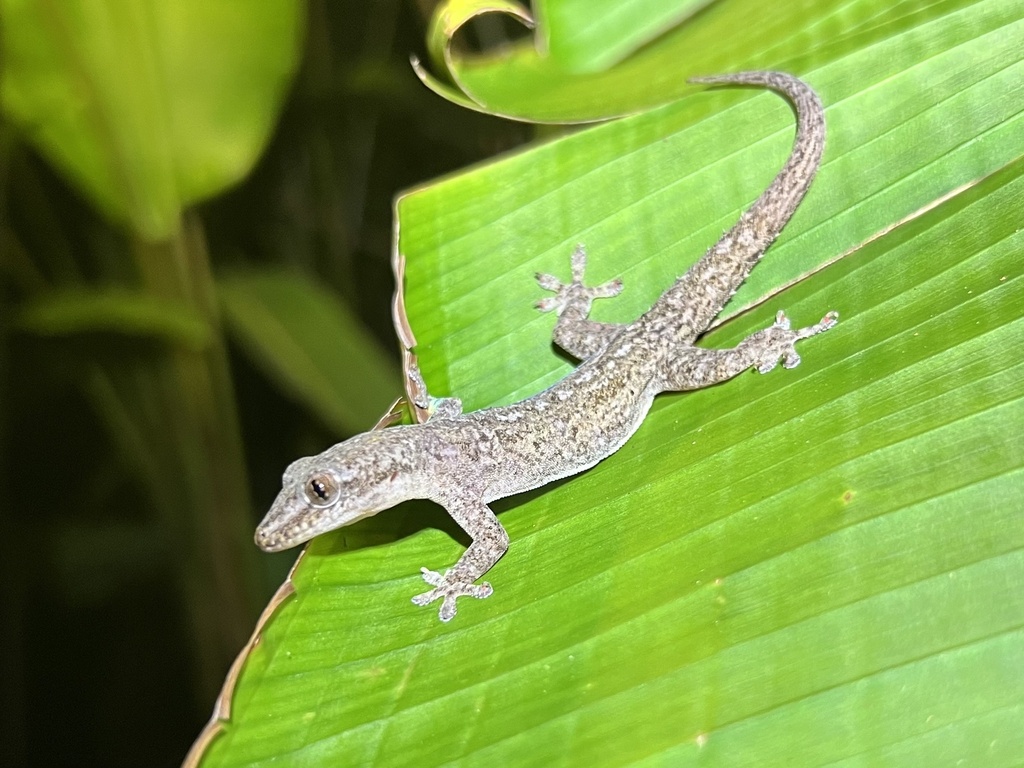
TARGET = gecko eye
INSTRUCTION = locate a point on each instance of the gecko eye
(321, 489)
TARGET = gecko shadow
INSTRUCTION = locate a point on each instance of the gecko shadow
(411, 517)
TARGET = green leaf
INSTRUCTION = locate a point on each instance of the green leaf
(589, 35)
(520, 81)
(307, 340)
(821, 565)
(148, 107)
(114, 310)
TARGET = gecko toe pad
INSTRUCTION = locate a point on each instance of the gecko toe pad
(777, 342)
(575, 292)
(447, 591)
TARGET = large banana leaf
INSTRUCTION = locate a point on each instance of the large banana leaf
(819, 566)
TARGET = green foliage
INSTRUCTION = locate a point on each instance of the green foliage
(60, 313)
(312, 344)
(818, 566)
(148, 107)
(725, 36)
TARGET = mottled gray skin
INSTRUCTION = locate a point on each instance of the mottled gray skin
(465, 461)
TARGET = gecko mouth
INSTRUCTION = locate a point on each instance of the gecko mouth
(271, 541)
(284, 526)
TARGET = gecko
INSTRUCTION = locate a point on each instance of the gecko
(465, 461)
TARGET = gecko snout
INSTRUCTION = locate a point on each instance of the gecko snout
(270, 539)
(277, 531)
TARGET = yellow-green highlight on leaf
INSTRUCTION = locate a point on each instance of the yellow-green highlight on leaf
(148, 106)
(822, 565)
(590, 35)
(114, 310)
(450, 15)
(306, 338)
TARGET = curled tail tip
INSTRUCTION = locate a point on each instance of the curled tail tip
(791, 86)
(734, 77)
(705, 79)
(753, 77)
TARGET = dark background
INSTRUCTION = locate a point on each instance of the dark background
(99, 662)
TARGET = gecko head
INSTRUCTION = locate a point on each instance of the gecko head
(345, 483)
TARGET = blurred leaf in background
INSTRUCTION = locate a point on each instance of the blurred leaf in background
(139, 442)
(148, 107)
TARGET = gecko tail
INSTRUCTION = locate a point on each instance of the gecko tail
(779, 202)
(765, 77)
(727, 264)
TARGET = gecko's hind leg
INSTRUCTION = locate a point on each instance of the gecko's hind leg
(580, 337)
(695, 367)
(778, 342)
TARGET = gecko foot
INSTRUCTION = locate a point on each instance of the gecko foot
(778, 342)
(448, 592)
(575, 292)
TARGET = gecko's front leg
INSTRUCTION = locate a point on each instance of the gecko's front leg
(490, 542)
(575, 332)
